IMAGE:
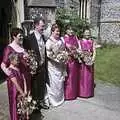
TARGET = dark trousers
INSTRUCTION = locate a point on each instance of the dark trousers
(38, 86)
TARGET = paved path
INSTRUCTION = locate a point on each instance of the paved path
(3, 102)
(104, 106)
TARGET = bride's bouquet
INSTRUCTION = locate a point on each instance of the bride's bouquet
(25, 106)
(59, 52)
(32, 63)
(62, 56)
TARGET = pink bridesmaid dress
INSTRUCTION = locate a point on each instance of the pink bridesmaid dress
(71, 82)
(86, 79)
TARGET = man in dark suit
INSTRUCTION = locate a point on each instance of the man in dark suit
(36, 42)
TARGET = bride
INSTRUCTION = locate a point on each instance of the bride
(56, 69)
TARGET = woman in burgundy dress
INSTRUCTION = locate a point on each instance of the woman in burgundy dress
(71, 82)
(16, 47)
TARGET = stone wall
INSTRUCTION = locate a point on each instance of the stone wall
(94, 11)
(94, 17)
(31, 12)
(110, 21)
(47, 13)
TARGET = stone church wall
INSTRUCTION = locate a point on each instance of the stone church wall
(110, 21)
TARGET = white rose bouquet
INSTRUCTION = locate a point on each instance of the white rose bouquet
(87, 57)
(62, 56)
(78, 55)
(32, 63)
(25, 106)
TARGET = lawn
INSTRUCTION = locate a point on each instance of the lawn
(107, 67)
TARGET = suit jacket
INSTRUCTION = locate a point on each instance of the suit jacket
(30, 43)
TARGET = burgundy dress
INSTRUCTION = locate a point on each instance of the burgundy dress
(22, 66)
(86, 81)
(71, 82)
(13, 93)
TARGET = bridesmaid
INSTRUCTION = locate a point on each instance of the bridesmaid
(86, 72)
(16, 85)
(71, 82)
(16, 46)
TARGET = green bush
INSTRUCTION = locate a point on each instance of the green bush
(65, 17)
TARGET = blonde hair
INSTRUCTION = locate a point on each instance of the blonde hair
(12, 56)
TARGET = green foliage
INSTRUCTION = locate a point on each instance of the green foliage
(66, 17)
(79, 25)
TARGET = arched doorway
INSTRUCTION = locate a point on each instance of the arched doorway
(7, 17)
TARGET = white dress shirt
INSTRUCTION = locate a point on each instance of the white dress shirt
(41, 46)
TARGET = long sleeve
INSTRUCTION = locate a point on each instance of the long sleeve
(50, 53)
(26, 43)
(5, 62)
(6, 54)
(14, 80)
(94, 51)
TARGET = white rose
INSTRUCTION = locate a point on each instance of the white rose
(34, 102)
(29, 98)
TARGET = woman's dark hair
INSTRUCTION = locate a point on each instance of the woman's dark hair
(68, 27)
(15, 32)
(86, 28)
(54, 26)
(37, 20)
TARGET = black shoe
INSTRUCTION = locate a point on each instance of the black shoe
(44, 106)
(94, 85)
(37, 111)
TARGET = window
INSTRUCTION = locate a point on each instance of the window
(83, 8)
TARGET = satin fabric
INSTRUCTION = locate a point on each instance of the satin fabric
(71, 81)
(86, 81)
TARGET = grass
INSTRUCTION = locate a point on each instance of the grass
(107, 67)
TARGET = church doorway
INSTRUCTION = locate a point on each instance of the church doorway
(6, 17)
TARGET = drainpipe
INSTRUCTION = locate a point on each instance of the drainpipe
(99, 21)
(85, 9)
(79, 8)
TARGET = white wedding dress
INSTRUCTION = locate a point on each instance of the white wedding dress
(56, 72)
